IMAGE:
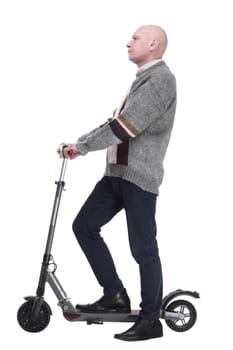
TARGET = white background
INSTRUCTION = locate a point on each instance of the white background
(64, 69)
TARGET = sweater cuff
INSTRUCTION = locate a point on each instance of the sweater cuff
(82, 148)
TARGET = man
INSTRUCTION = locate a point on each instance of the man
(137, 139)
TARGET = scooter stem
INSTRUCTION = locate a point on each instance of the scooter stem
(63, 169)
(47, 254)
(60, 187)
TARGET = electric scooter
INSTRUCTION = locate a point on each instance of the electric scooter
(34, 314)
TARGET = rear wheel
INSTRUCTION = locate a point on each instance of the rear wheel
(188, 312)
(26, 321)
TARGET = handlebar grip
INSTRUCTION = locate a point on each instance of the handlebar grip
(62, 148)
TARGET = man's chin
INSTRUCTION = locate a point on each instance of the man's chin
(131, 58)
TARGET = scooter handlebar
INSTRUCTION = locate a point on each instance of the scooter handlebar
(62, 148)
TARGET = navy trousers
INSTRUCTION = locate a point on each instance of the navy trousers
(110, 195)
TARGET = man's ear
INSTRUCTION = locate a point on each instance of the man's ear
(154, 45)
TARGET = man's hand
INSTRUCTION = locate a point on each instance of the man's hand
(68, 150)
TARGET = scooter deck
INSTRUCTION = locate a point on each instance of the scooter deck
(100, 318)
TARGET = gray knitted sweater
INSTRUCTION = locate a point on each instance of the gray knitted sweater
(138, 135)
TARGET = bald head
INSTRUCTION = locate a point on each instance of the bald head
(148, 43)
(157, 34)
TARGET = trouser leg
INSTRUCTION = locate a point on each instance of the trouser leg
(140, 213)
(99, 208)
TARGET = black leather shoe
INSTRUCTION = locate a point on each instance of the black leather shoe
(116, 303)
(142, 330)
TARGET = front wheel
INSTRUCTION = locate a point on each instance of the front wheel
(188, 313)
(26, 321)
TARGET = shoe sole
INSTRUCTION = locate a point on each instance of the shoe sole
(118, 336)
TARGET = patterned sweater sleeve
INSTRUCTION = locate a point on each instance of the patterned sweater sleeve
(145, 103)
(98, 139)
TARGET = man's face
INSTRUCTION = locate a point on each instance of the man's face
(139, 47)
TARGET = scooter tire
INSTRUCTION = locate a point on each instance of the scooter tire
(189, 312)
(24, 317)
